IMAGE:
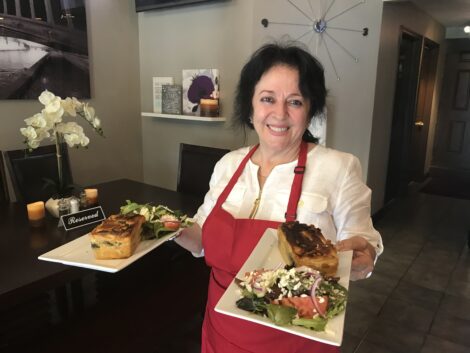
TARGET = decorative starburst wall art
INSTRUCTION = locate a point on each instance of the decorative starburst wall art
(322, 27)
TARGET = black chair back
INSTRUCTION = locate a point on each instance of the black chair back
(29, 170)
(4, 198)
(196, 165)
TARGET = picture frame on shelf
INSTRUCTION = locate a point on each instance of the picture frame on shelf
(157, 84)
(199, 84)
(171, 99)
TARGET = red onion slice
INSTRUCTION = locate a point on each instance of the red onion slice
(314, 297)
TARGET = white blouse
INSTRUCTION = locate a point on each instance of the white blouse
(334, 197)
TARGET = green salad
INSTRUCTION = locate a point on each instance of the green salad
(292, 296)
(159, 220)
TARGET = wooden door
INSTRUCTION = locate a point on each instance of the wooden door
(403, 114)
(452, 143)
(420, 125)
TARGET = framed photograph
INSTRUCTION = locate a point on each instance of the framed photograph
(171, 99)
(199, 84)
(44, 47)
(158, 83)
(146, 5)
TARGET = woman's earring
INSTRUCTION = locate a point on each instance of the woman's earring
(251, 120)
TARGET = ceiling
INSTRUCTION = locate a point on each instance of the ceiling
(450, 13)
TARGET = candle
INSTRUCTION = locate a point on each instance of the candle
(91, 196)
(36, 211)
(209, 107)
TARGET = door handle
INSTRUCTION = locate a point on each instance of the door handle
(419, 123)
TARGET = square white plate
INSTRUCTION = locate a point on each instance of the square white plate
(266, 255)
(78, 253)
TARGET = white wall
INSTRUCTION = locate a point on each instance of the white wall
(350, 99)
(114, 70)
(213, 35)
(456, 32)
(223, 36)
(396, 15)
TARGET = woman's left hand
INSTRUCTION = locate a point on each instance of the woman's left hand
(363, 256)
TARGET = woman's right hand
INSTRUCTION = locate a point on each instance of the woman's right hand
(191, 239)
(363, 256)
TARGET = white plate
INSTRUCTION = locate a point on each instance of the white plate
(266, 255)
(78, 253)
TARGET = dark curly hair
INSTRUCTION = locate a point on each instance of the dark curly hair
(311, 80)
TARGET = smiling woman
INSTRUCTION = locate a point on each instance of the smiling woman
(279, 112)
(287, 176)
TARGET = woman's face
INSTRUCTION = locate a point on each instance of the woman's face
(279, 110)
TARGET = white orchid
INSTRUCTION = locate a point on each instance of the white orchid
(73, 134)
(35, 143)
(54, 107)
(52, 117)
(46, 97)
(36, 121)
(49, 124)
(43, 134)
(96, 123)
(71, 105)
(89, 112)
(69, 128)
(29, 132)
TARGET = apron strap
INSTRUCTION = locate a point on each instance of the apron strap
(223, 196)
(296, 189)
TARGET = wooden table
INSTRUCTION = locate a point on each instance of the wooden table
(23, 276)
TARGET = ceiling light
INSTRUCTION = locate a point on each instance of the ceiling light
(466, 29)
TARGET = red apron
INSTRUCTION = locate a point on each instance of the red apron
(227, 244)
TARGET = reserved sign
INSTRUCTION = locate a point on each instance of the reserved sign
(82, 218)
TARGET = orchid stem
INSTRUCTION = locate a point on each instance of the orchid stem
(58, 148)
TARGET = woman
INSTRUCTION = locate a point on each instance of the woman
(253, 189)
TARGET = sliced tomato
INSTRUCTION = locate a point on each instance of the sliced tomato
(173, 225)
(304, 305)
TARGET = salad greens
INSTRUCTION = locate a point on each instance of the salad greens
(281, 315)
(159, 220)
(285, 296)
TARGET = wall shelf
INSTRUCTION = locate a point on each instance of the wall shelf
(184, 117)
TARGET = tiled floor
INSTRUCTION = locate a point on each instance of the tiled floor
(418, 298)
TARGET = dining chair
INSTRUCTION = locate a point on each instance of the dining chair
(30, 170)
(4, 197)
(196, 165)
